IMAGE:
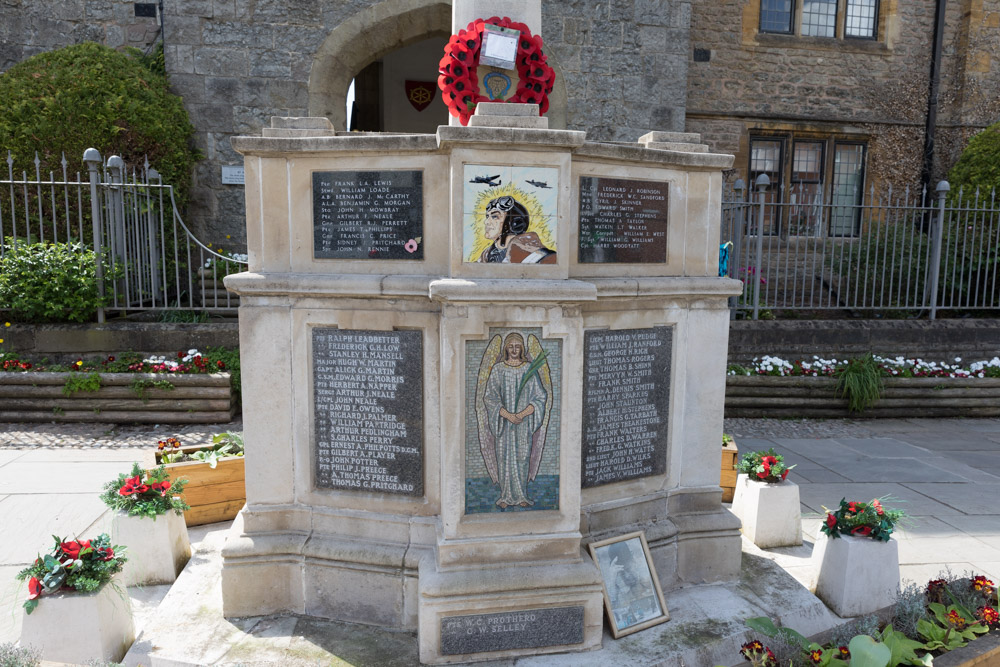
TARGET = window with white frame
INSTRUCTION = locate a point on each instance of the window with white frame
(816, 183)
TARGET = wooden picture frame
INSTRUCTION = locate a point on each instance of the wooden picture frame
(632, 596)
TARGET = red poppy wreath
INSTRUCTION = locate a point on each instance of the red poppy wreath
(459, 82)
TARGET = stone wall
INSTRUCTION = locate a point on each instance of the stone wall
(874, 89)
(622, 65)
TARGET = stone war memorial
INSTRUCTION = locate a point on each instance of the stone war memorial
(434, 435)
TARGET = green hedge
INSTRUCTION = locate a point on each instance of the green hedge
(90, 96)
(48, 282)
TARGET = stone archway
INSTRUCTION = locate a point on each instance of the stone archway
(376, 31)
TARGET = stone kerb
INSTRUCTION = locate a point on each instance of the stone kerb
(770, 513)
(856, 575)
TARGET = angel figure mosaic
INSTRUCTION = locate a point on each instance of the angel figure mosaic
(514, 407)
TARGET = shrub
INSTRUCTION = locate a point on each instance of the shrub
(14, 656)
(979, 164)
(48, 282)
(88, 95)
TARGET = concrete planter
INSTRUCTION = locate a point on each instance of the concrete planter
(79, 627)
(214, 494)
(857, 575)
(770, 513)
(194, 399)
(158, 548)
(771, 396)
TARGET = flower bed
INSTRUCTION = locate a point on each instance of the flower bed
(215, 476)
(774, 387)
(194, 389)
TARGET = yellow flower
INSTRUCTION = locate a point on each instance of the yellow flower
(228, 236)
(1, 341)
(209, 245)
(79, 363)
(6, 324)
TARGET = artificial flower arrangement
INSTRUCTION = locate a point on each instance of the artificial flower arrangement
(944, 615)
(766, 466)
(73, 565)
(862, 519)
(145, 493)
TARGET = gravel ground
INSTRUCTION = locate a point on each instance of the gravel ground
(72, 435)
(107, 436)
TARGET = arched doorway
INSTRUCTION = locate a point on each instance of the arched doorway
(383, 46)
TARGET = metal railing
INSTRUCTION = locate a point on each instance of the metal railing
(914, 253)
(147, 258)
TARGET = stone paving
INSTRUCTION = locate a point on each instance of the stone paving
(944, 472)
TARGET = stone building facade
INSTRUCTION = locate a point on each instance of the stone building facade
(624, 67)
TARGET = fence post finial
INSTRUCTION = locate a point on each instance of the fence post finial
(762, 181)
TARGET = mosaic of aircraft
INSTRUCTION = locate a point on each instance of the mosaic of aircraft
(488, 180)
(539, 184)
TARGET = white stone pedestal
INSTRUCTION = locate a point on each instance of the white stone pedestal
(158, 548)
(857, 575)
(770, 513)
(79, 627)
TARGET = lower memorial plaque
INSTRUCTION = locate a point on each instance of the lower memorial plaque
(623, 221)
(511, 630)
(368, 399)
(626, 399)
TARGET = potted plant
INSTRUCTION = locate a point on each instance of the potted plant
(727, 475)
(857, 561)
(85, 614)
(766, 501)
(149, 520)
(215, 476)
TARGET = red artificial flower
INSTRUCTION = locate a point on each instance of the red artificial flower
(34, 589)
(107, 553)
(164, 487)
(126, 490)
(863, 531)
(831, 521)
(878, 507)
(142, 488)
(134, 481)
(72, 549)
(784, 475)
(220, 365)
(852, 507)
(764, 474)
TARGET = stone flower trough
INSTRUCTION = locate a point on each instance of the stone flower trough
(158, 548)
(775, 396)
(857, 575)
(122, 398)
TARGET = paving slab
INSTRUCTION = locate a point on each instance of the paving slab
(927, 527)
(888, 448)
(34, 519)
(902, 497)
(816, 474)
(937, 550)
(985, 461)
(867, 469)
(943, 441)
(12, 594)
(966, 498)
(8, 455)
(43, 477)
(823, 451)
(123, 455)
(966, 472)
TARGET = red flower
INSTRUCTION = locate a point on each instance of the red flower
(73, 549)
(784, 475)
(764, 474)
(863, 531)
(831, 521)
(126, 490)
(956, 619)
(816, 656)
(981, 583)
(107, 553)
(852, 507)
(878, 507)
(164, 487)
(34, 589)
(844, 653)
(219, 364)
(142, 488)
(988, 615)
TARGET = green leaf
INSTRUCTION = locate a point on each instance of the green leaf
(866, 652)
(902, 647)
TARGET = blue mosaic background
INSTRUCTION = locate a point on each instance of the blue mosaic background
(480, 492)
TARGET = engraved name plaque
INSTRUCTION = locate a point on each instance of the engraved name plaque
(368, 401)
(626, 400)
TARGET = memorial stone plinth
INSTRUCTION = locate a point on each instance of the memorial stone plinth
(466, 356)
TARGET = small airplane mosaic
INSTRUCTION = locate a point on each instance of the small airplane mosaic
(488, 180)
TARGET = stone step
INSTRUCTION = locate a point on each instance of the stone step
(671, 137)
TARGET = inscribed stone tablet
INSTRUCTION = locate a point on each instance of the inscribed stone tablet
(623, 221)
(626, 400)
(368, 214)
(368, 398)
(510, 630)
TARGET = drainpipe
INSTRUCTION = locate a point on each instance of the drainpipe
(932, 99)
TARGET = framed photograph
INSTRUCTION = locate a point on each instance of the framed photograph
(632, 595)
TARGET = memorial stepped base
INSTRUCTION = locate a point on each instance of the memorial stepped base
(706, 624)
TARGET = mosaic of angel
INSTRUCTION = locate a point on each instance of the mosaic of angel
(513, 405)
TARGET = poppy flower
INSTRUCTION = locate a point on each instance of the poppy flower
(126, 490)
(831, 521)
(784, 475)
(878, 507)
(72, 549)
(410, 246)
(107, 553)
(142, 488)
(34, 589)
(863, 531)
